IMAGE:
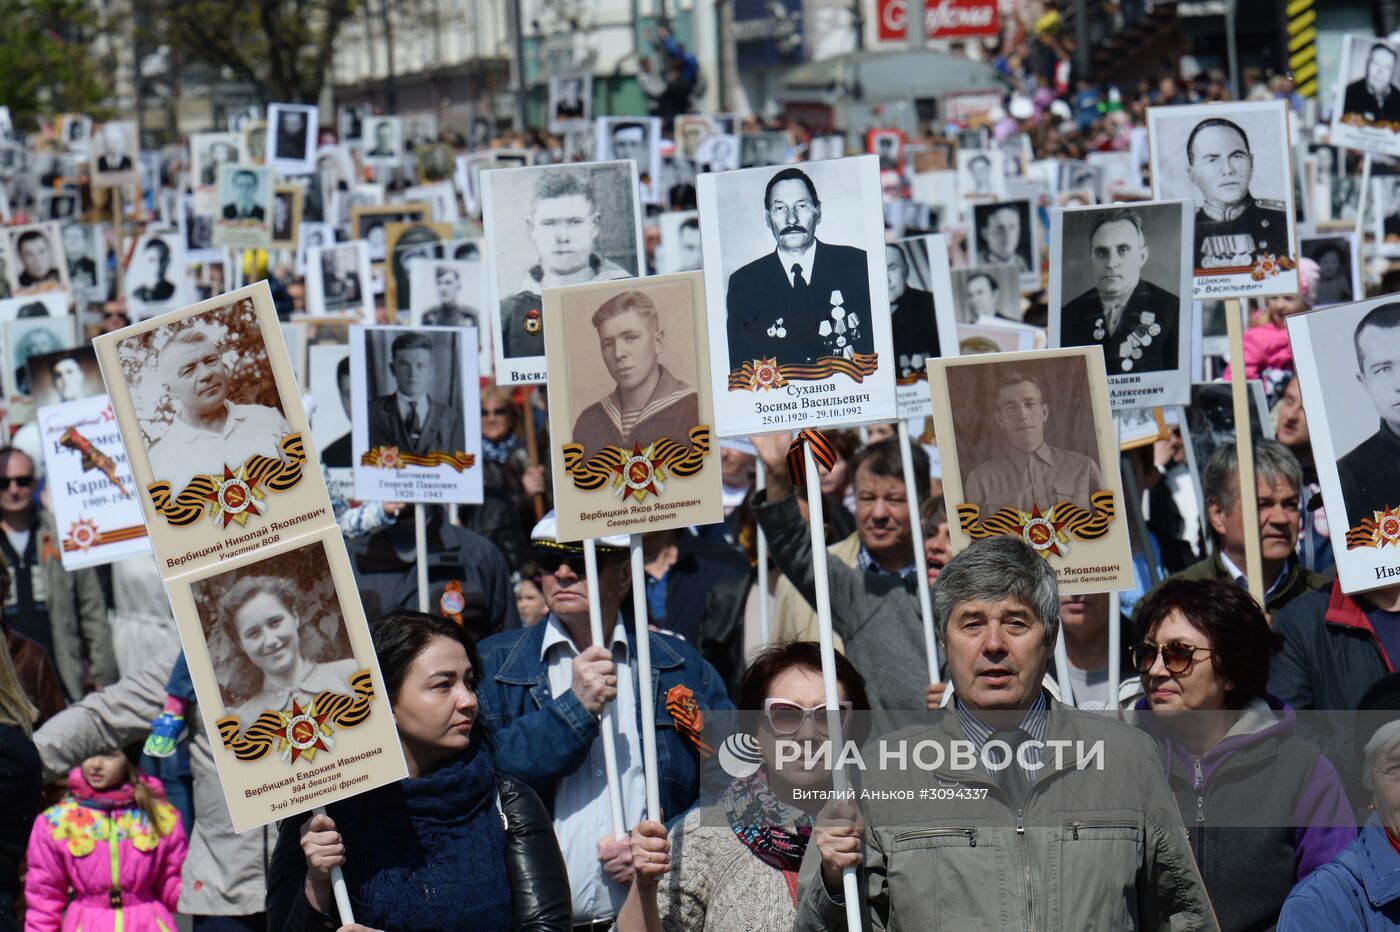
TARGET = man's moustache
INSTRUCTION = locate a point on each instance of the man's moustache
(792, 229)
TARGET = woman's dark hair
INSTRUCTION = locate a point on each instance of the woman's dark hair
(401, 635)
(1241, 642)
(245, 678)
(779, 658)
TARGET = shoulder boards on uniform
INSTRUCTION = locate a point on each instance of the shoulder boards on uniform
(1270, 204)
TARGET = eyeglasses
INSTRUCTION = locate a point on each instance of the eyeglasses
(785, 717)
(23, 482)
(1177, 657)
(495, 412)
(551, 560)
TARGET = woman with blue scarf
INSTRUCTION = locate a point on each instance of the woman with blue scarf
(733, 864)
(454, 846)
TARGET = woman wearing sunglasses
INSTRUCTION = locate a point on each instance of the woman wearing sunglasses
(733, 864)
(1263, 807)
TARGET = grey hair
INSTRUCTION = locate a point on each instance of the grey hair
(998, 568)
(1272, 462)
(1382, 742)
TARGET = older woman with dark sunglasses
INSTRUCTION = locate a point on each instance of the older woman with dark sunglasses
(1263, 808)
(733, 864)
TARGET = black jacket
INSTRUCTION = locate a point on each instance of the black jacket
(1360, 101)
(700, 565)
(1365, 473)
(1083, 318)
(539, 881)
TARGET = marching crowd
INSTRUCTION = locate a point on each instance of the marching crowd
(114, 817)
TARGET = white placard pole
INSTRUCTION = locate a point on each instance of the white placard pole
(420, 540)
(342, 893)
(765, 622)
(1062, 678)
(646, 696)
(1115, 647)
(916, 528)
(1244, 450)
(1361, 199)
(816, 524)
(606, 726)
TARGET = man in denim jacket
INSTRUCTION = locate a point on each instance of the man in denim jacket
(543, 689)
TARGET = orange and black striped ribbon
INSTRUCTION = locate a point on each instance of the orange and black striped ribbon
(821, 449)
(275, 475)
(690, 721)
(859, 367)
(1078, 523)
(459, 461)
(259, 738)
(678, 459)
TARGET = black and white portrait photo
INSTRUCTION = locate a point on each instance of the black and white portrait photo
(1366, 108)
(986, 291)
(981, 173)
(820, 148)
(29, 337)
(245, 207)
(338, 281)
(795, 278)
(888, 144)
(1007, 233)
(114, 151)
(350, 121)
(1121, 279)
(757, 150)
(204, 394)
(154, 278)
(680, 242)
(923, 320)
(1348, 360)
(1233, 162)
(1386, 214)
(446, 293)
(1339, 267)
(691, 129)
(252, 143)
(719, 152)
(383, 140)
(635, 138)
(59, 205)
(291, 137)
(287, 202)
(64, 375)
(84, 250)
(209, 151)
(570, 101)
(35, 259)
(370, 223)
(310, 236)
(549, 226)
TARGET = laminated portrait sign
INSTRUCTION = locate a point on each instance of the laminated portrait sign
(990, 335)
(287, 202)
(981, 292)
(416, 414)
(91, 489)
(289, 686)
(328, 375)
(1234, 163)
(291, 137)
(27, 337)
(1366, 105)
(548, 226)
(1007, 233)
(797, 296)
(211, 417)
(1339, 267)
(65, 375)
(981, 173)
(115, 151)
(338, 281)
(570, 101)
(1120, 278)
(154, 280)
(1029, 449)
(923, 321)
(1348, 359)
(35, 262)
(244, 220)
(631, 418)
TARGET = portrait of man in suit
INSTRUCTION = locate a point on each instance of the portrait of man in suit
(340, 282)
(807, 299)
(1134, 320)
(1367, 472)
(383, 144)
(114, 156)
(1375, 98)
(337, 453)
(152, 273)
(648, 403)
(291, 134)
(244, 205)
(409, 417)
(1002, 237)
(912, 318)
(37, 269)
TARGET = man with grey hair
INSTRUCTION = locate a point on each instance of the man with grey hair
(1278, 489)
(1035, 823)
(209, 432)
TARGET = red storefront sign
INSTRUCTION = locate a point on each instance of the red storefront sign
(945, 19)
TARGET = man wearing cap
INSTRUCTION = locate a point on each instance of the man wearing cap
(543, 690)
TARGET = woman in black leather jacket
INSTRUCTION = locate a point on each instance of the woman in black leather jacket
(454, 846)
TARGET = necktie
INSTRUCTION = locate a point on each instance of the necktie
(1012, 778)
(412, 423)
(798, 282)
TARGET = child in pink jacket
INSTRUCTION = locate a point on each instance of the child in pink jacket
(116, 843)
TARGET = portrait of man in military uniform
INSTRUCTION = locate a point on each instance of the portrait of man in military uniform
(1234, 229)
(1368, 471)
(1133, 319)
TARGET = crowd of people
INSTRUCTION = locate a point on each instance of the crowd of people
(116, 818)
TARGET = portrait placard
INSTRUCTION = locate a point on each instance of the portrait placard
(252, 143)
(311, 235)
(370, 223)
(338, 281)
(570, 101)
(291, 137)
(632, 419)
(1007, 233)
(115, 150)
(1234, 163)
(797, 297)
(1030, 450)
(35, 261)
(154, 281)
(211, 418)
(244, 220)
(1339, 264)
(986, 291)
(64, 375)
(981, 173)
(1139, 427)
(407, 244)
(48, 304)
(287, 200)
(759, 150)
(91, 490)
(1366, 96)
(990, 335)
(923, 322)
(1385, 215)
(208, 152)
(548, 226)
(446, 293)
(32, 336)
(1120, 278)
(679, 250)
(417, 415)
(1211, 417)
(383, 141)
(350, 120)
(289, 685)
(1348, 358)
(690, 130)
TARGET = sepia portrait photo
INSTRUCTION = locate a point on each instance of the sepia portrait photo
(635, 408)
(1120, 278)
(1033, 452)
(64, 375)
(287, 202)
(338, 281)
(550, 226)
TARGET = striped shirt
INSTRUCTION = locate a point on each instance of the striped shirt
(1034, 724)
